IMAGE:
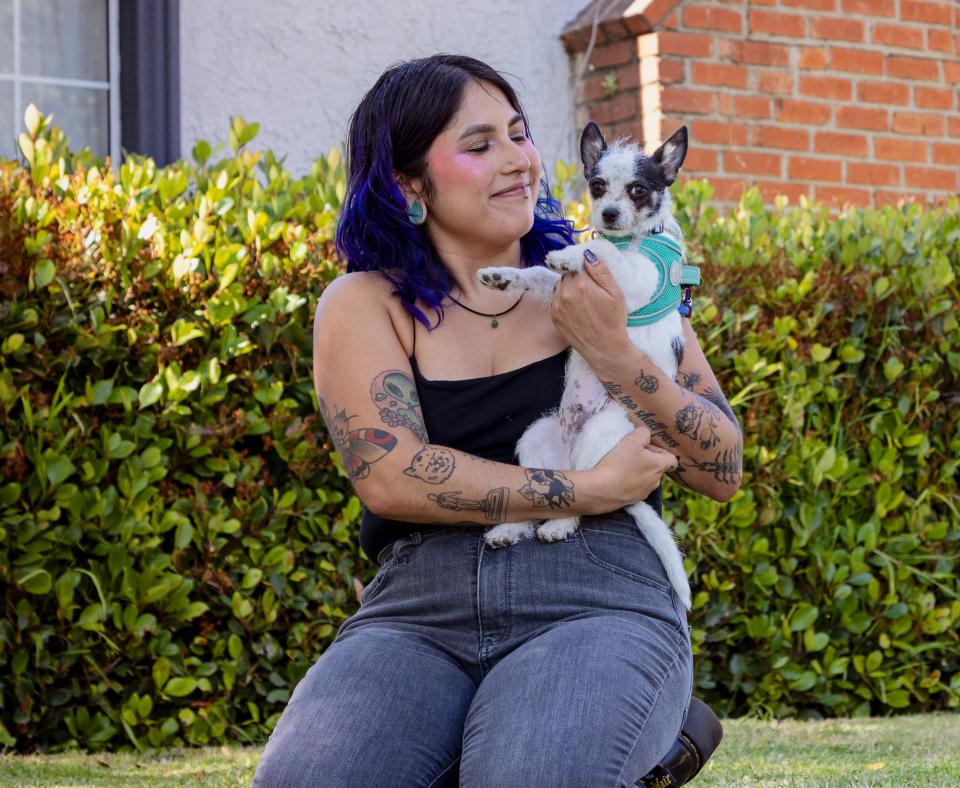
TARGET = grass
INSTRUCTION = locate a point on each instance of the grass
(900, 751)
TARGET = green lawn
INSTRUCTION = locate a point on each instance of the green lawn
(901, 751)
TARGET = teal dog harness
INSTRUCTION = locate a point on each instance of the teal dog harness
(666, 252)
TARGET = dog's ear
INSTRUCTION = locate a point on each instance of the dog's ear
(669, 156)
(592, 145)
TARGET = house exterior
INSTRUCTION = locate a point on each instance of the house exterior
(843, 100)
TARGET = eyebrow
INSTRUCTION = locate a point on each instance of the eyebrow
(486, 128)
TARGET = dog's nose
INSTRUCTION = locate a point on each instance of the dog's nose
(610, 214)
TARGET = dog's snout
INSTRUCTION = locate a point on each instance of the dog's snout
(610, 214)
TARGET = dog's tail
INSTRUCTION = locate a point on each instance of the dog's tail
(661, 540)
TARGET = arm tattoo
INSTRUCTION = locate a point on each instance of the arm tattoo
(657, 428)
(547, 488)
(716, 397)
(494, 506)
(698, 423)
(726, 467)
(358, 449)
(648, 384)
(432, 464)
(395, 395)
(688, 381)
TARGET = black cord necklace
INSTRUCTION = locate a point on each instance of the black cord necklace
(493, 316)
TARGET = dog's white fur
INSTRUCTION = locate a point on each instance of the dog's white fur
(589, 423)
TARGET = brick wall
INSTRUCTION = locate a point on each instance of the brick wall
(843, 100)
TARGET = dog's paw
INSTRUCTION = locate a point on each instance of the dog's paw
(502, 278)
(557, 530)
(507, 534)
(568, 259)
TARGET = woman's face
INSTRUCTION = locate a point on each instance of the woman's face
(485, 172)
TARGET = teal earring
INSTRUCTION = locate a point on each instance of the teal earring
(416, 213)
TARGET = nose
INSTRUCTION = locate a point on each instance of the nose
(610, 213)
(517, 158)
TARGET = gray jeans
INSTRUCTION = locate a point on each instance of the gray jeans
(538, 664)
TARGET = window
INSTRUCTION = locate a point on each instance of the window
(62, 56)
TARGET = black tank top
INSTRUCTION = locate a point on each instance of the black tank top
(482, 416)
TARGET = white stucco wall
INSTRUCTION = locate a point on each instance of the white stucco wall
(299, 67)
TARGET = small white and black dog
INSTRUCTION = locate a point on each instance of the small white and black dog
(632, 208)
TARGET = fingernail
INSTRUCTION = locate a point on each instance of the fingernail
(590, 257)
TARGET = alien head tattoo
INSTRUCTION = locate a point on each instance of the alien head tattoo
(395, 395)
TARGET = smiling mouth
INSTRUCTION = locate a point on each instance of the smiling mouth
(517, 191)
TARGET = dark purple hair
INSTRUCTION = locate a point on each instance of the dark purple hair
(391, 130)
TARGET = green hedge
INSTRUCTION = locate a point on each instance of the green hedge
(179, 541)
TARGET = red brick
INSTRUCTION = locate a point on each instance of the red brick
(933, 98)
(813, 58)
(940, 40)
(760, 53)
(685, 100)
(862, 118)
(835, 28)
(774, 82)
(751, 163)
(951, 72)
(661, 70)
(918, 11)
(606, 55)
(712, 132)
(946, 153)
(776, 24)
(751, 107)
(813, 5)
(870, 7)
(770, 190)
(594, 85)
(805, 168)
(863, 61)
(874, 174)
(728, 189)
(725, 103)
(883, 92)
(719, 74)
(953, 126)
(711, 18)
(837, 194)
(777, 137)
(700, 160)
(931, 177)
(898, 36)
(899, 149)
(913, 67)
(826, 87)
(686, 44)
(841, 144)
(919, 123)
(806, 112)
(622, 106)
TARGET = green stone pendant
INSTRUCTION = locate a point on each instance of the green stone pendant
(494, 323)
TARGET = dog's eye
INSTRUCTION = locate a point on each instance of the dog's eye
(637, 192)
(597, 189)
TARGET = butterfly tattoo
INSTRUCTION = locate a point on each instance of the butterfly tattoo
(359, 448)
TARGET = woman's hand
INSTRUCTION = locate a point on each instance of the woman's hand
(589, 311)
(631, 470)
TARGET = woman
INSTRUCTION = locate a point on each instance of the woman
(530, 665)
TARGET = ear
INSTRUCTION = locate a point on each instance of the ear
(669, 156)
(412, 188)
(592, 145)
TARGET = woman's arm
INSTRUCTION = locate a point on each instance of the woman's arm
(367, 398)
(690, 419)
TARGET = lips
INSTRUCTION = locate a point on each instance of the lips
(513, 191)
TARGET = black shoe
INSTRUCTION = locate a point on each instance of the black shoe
(698, 738)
